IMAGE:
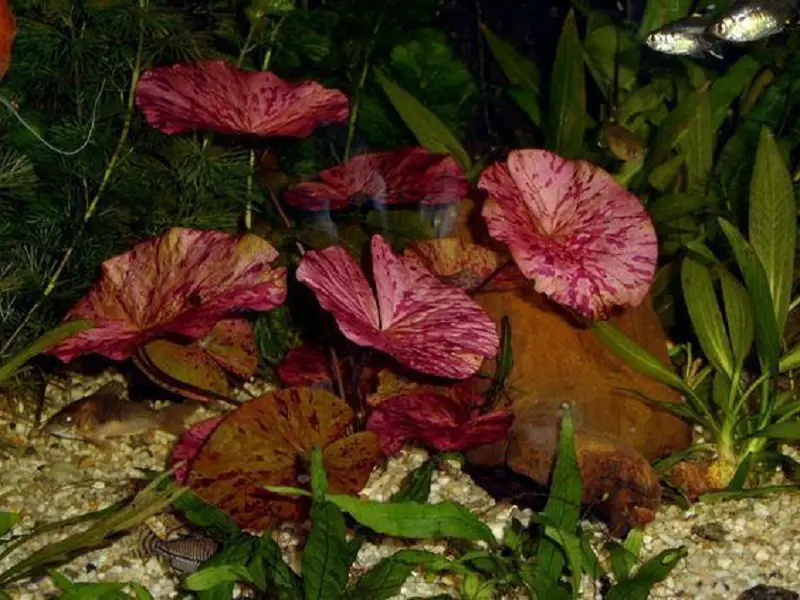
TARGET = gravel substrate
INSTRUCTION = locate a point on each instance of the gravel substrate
(733, 546)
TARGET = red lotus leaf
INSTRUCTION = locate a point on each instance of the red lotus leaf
(181, 283)
(404, 176)
(189, 446)
(435, 420)
(427, 325)
(306, 366)
(587, 243)
(198, 370)
(216, 96)
(465, 265)
(8, 30)
(267, 441)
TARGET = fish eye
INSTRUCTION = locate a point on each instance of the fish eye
(68, 419)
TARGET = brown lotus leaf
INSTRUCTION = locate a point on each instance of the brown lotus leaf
(198, 370)
(267, 441)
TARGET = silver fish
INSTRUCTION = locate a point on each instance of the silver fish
(684, 37)
(753, 20)
(184, 554)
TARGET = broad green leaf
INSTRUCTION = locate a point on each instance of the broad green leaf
(55, 336)
(563, 509)
(655, 570)
(141, 592)
(635, 356)
(704, 312)
(7, 521)
(698, 145)
(674, 127)
(643, 101)
(235, 552)
(325, 559)
(766, 329)
(605, 47)
(738, 315)
(773, 222)
(663, 176)
(567, 117)
(669, 207)
(658, 13)
(386, 578)
(540, 586)
(211, 577)
(730, 86)
(430, 132)
(522, 73)
(788, 430)
(415, 520)
(417, 487)
(207, 516)
(93, 591)
(624, 556)
(268, 568)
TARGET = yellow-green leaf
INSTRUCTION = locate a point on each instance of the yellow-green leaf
(738, 315)
(698, 146)
(567, 111)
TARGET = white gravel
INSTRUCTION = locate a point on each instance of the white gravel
(747, 542)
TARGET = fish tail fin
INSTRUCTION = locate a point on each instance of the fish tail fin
(717, 51)
(172, 419)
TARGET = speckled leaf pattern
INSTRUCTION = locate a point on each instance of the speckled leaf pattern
(8, 30)
(425, 324)
(437, 421)
(464, 264)
(190, 444)
(181, 283)
(232, 345)
(305, 365)
(404, 176)
(266, 441)
(585, 241)
(216, 96)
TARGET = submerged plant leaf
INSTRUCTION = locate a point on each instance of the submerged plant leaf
(567, 117)
(8, 520)
(178, 284)
(738, 315)
(438, 421)
(655, 570)
(425, 324)
(214, 95)
(403, 176)
(325, 560)
(585, 241)
(267, 441)
(773, 223)
(426, 127)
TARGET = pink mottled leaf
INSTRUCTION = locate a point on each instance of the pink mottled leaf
(190, 444)
(306, 366)
(435, 420)
(425, 324)
(214, 95)
(404, 176)
(181, 284)
(584, 240)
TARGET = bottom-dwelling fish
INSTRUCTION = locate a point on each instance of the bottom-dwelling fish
(184, 555)
(108, 414)
(685, 37)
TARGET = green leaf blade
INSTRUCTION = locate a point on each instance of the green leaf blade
(326, 558)
(567, 111)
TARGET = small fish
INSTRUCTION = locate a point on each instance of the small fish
(684, 37)
(184, 555)
(753, 20)
(108, 414)
(623, 143)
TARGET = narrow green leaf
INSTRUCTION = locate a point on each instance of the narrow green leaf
(529, 102)
(7, 521)
(738, 315)
(766, 328)
(141, 592)
(211, 577)
(757, 492)
(698, 145)
(773, 222)
(658, 13)
(415, 520)
(55, 336)
(567, 117)
(788, 430)
(540, 586)
(267, 566)
(61, 581)
(319, 480)
(386, 578)
(207, 516)
(417, 487)
(791, 360)
(563, 508)
(93, 591)
(674, 127)
(636, 357)
(655, 570)
(325, 559)
(430, 132)
(704, 312)
(609, 48)
(742, 471)
(725, 89)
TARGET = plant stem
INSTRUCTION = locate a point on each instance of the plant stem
(90, 210)
(351, 123)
